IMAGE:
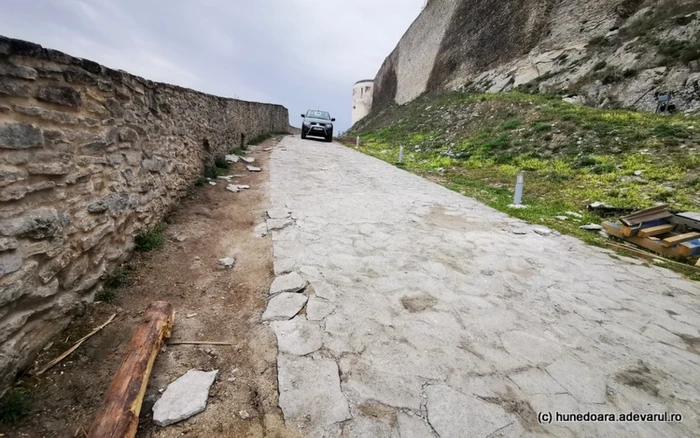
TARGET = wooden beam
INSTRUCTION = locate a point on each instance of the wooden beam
(675, 240)
(645, 215)
(656, 231)
(636, 229)
(616, 230)
(690, 248)
(651, 257)
(119, 414)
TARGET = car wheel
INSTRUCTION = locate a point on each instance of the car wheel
(329, 139)
(303, 135)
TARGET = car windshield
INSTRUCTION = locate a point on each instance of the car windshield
(318, 115)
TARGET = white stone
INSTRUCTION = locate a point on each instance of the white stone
(283, 266)
(244, 415)
(310, 389)
(212, 183)
(291, 282)
(253, 169)
(227, 262)
(517, 206)
(278, 213)
(298, 336)
(591, 227)
(543, 231)
(284, 306)
(243, 187)
(278, 224)
(584, 383)
(638, 172)
(561, 218)
(574, 214)
(183, 398)
(453, 414)
(318, 309)
(225, 177)
(233, 189)
(232, 158)
(248, 159)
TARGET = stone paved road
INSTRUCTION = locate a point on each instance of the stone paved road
(428, 316)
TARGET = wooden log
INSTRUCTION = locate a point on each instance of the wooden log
(675, 240)
(119, 414)
(656, 231)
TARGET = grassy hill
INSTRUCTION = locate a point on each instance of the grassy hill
(573, 155)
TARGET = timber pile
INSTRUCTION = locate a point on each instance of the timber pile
(659, 230)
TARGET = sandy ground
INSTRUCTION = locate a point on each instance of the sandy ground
(211, 304)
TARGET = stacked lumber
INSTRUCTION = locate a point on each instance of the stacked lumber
(659, 230)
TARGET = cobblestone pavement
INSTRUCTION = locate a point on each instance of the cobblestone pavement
(430, 314)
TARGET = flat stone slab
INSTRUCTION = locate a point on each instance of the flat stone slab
(278, 224)
(278, 213)
(225, 177)
(284, 306)
(283, 266)
(453, 414)
(291, 282)
(232, 158)
(253, 168)
(311, 387)
(592, 227)
(183, 398)
(233, 189)
(243, 187)
(248, 159)
(584, 383)
(318, 309)
(298, 336)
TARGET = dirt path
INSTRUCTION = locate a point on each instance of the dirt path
(211, 304)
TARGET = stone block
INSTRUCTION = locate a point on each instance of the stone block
(128, 135)
(49, 168)
(20, 136)
(38, 224)
(298, 337)
(183, 398)
(7, 244)
(115, 108)
(60, 95)
(9, 262)
(291, 282)
(18, 71)
(10, 89)
(284, 306)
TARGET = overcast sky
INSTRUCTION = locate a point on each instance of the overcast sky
(299, 53)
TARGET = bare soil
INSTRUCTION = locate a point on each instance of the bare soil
(211, 304)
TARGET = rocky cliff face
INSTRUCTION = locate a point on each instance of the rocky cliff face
(613, 53)
(90, 156)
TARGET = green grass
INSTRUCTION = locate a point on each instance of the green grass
(106, 295)
(573, 155)
(14, 405)
(151, 239)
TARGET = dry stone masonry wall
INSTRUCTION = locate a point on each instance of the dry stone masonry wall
(90, 156)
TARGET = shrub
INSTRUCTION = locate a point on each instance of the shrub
(664, 130)
(611, 75)
(541, 127)
(117, 278)
(106, 295)
(600, 41)
(511, 124)
(221, 163)
(629, 73)
(14, 406)
(151, 239)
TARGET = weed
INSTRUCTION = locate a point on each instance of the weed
(541, 127)
(611, 75)
(106, 295)
(237, 151)
(679, 51)
(664, 130)
(151, 239)
(511, 124)
(14, 405)
(213, 172)
(600, 42)
(200, 182)
(599, 66)
(117, 278)
(630, 73)
(221, 163)
(262, 137)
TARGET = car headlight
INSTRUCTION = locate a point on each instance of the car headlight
(307, 123)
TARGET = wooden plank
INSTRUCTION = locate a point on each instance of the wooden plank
(634, 231)
(685, 219)
(644, 215)
(693, 216)
(119, 414)
(616, 230)
(675, 240)
(656, 231)
(690, 248)
(648, 218)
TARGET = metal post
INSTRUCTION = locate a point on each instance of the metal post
(357, 143)
(519, 184)
(401, 154)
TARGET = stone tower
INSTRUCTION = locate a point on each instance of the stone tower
(361, 99)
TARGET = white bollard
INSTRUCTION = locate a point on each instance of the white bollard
(357, 143)
(401, 154)
(519, 185)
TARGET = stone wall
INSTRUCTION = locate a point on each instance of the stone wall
(487, 46)
(90, 156)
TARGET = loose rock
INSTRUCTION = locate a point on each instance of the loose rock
(591, 227)
(233, 189)
(253, 169)
(278, 213)
(231, 158)
(298, 336)
(248, 159)
(291, 282)
(185, 397)
(284, 306)
(227, 262)
(244, 415)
